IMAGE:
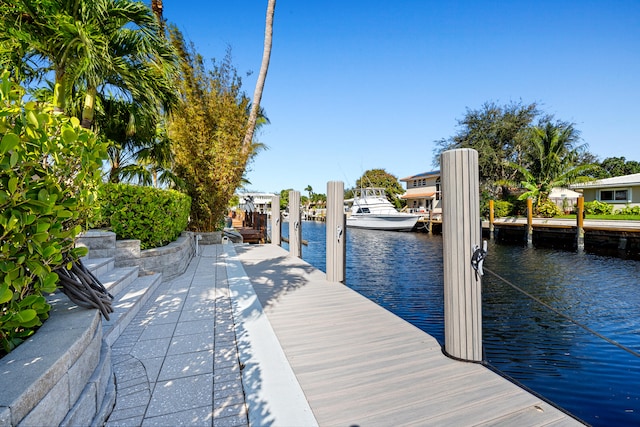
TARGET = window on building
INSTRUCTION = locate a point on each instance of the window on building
(614, 195)
(438, 189)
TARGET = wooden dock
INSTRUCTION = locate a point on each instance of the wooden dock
(359, 364)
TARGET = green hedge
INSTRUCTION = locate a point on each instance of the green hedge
(155, 217)
(629, 210)
(598, 208)
(501, 209)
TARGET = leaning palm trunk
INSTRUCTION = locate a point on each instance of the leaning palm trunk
(257, 94)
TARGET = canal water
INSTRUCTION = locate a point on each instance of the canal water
(597, 381)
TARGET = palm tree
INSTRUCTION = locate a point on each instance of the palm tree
(551, 161)
(135, 57)
(92, 46)
(127, 127)
(262, 76)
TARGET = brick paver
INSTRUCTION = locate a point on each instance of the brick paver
(177, 362)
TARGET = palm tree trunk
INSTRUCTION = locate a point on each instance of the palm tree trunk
(156, 7)
(88, 110)
(59, 93)
(257, 94)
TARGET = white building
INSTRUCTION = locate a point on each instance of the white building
(423, 193)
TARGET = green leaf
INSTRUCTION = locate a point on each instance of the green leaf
(64, 214)
(13, 184)
(50, 282)
(32, 119)
(5, 293)
(13, 161)
(25, 316)
(69, 135)
(9, 142)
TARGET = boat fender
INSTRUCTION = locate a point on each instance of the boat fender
(479, 254)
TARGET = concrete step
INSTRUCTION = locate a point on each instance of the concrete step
(117, 279)
(127, 304)
(99, 266)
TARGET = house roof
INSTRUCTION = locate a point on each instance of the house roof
(417, 195)
(421, 175)
(617, 181)
(561, 193)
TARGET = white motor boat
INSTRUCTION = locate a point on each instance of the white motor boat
(372, 210)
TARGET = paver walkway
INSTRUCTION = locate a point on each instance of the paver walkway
(177, 362)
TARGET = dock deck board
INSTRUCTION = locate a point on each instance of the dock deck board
(359, 364)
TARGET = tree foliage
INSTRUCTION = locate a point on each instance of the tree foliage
(207, 130)
(91, 47)
(552, 160)
(499, 134)
(617, 166)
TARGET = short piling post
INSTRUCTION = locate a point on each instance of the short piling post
(295, 225)
(580, 224)
(275, 220)
(491, 218)
(529, 232)
(336, 232)
(461, 232)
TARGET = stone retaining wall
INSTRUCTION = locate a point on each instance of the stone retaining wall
(170, 260)
(62, 375)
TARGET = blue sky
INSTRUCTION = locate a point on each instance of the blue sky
(362, 84)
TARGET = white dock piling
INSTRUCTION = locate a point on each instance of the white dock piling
(461, 233)
(336, 232)
(295, 225)
(275, 220)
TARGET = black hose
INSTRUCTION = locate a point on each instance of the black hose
(83, 288)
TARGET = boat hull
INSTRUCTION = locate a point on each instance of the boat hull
(382, 222)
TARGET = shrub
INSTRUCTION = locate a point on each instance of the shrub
(502, 208)
(155, 217)
(598, 208)
(49, 167)
(548, 209)
(629, 210)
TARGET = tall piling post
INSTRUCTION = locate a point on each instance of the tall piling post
(529, 232)
(580, 224)
(295, 225)
(462, 235)
(276, 224)
(491, 218)
(336, 232)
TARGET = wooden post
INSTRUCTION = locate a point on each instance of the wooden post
(461, 231)
(336, 232)
(580, 224)
(529, 232)
(491, 218)
(276, 224)
(295, 225)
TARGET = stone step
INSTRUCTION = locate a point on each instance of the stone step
(117, 279)
(99, 266)
(127, 304)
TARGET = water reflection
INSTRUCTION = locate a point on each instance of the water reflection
(589, 377)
